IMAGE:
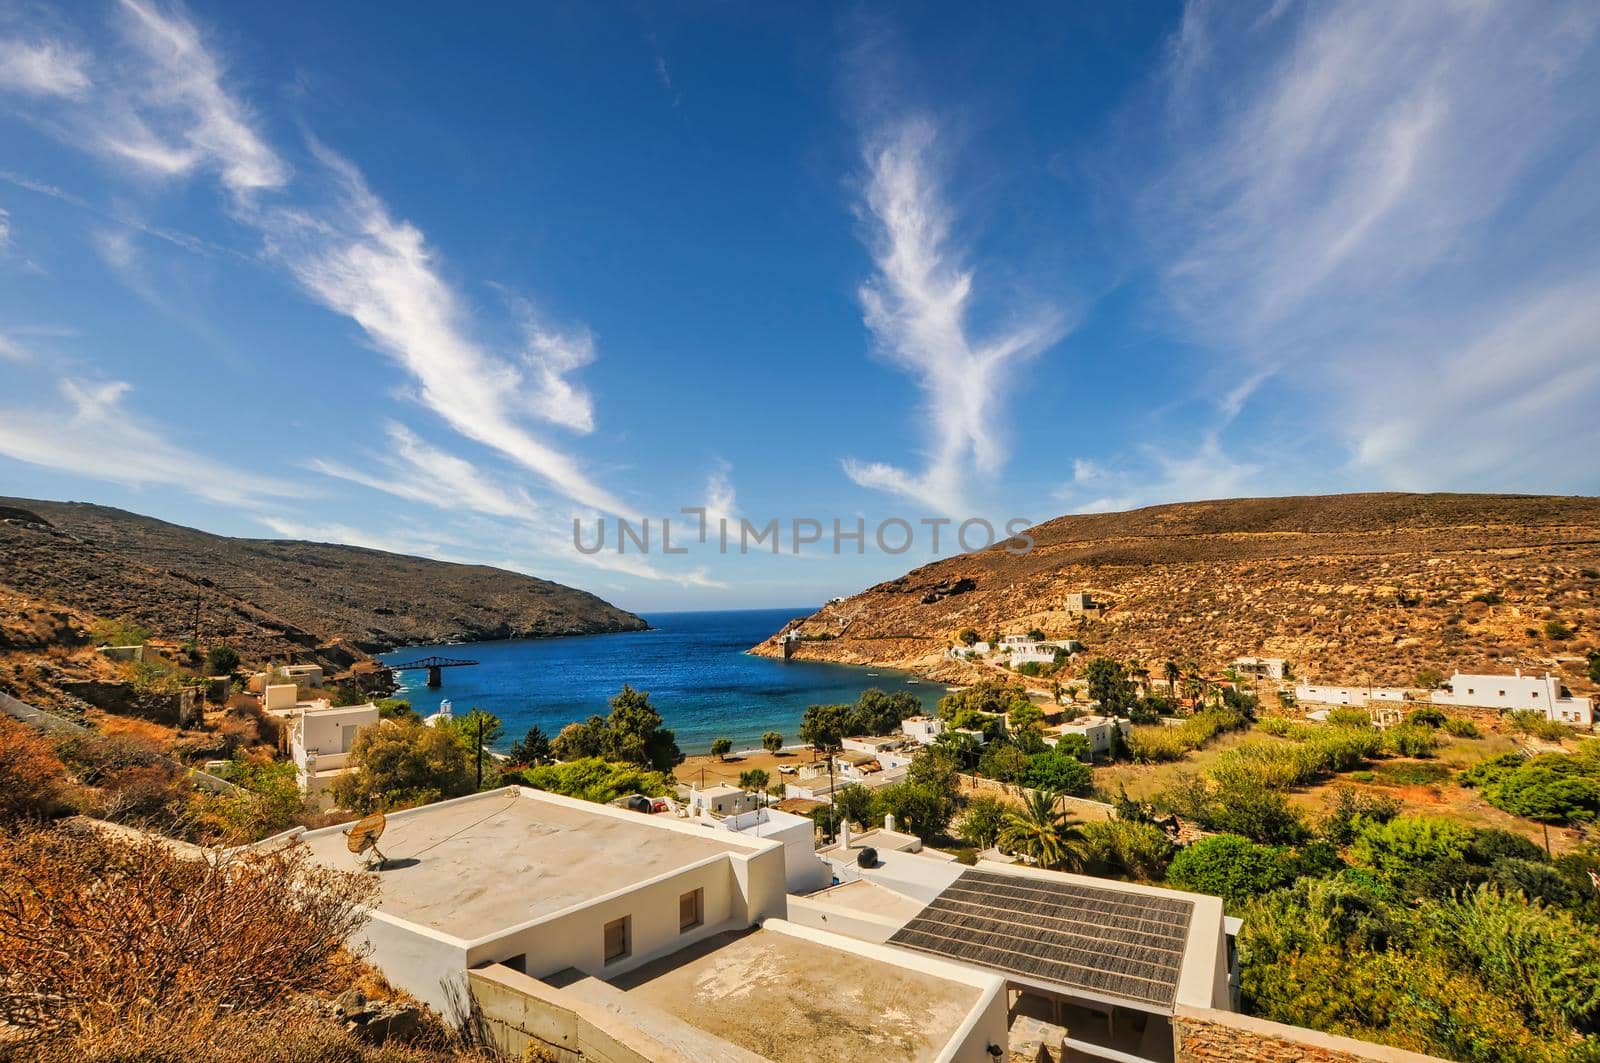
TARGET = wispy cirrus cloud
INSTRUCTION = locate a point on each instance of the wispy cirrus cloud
(93, 433)
(1390, 210)
(722, 502)
(164, 107)
(917, 306)
(358, 260)
(43, 68)
(179, 116)
(418, 472)
(1155, 475)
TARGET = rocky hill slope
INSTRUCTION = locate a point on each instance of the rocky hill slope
(1347, 587)
(64, 564)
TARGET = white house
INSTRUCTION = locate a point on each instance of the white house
(1096, 729)
(720, 800)
(1262, 667)
(320, 739)
(569, 923)
(805, 872)
(283, 699)
(1358, 696)
(1507, 692)
(922, 729)
(817, 787)
(872, 745)
(1020, 649)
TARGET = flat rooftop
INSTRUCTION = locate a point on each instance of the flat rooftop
(792, 1000)
(472, 867)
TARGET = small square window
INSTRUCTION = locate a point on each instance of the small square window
(618, 935)
(691, 910)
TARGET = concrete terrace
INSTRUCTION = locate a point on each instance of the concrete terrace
(792, 1000)
(481, 864)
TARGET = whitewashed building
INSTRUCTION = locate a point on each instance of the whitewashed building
(1358, 696)
(1543, 694)
(1096, 729)
(922, 729)
(804, 869)
(321, 737)
(1261, 667)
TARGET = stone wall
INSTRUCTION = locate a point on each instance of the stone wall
(1201, 1035)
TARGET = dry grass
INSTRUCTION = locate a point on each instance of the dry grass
(99, 935)
(288, 1034)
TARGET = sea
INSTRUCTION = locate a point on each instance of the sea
(693, 665)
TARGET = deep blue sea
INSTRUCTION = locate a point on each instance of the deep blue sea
(692, 664)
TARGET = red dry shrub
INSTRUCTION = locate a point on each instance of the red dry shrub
(100, 934)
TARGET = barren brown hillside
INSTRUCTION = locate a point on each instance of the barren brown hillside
(63, 565)
(1347, 587)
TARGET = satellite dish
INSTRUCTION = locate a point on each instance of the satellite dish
(363, 835)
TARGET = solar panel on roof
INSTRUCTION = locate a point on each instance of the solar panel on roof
(1106, 941)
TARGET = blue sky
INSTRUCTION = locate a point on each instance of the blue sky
(443, 284)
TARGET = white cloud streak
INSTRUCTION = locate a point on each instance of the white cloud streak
(43, 68)
(359, 261)
(1160, 476)
(166, 109)
(94, 435)
(419, 472)
(1391, 210)
(182, 117)
(722, 503)
(916, 306)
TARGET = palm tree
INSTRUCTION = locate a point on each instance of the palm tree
(1140, 676)
(1043, 833)
(755, 779)
(1173, 674)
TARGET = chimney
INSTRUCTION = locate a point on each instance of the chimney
(844, 832)
(888, 821)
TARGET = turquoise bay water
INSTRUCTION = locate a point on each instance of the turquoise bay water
(693, 665)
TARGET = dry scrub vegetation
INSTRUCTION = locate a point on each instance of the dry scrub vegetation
(1347, 587)
(147, 949)
(97, 933)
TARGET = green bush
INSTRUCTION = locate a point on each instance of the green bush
(1229, 867)
(1410, 740)
(1161, 742)
(1407, 844)
(119, 632)
(1532, 722)
(1482, 977)
(1350, 811)
(1234, 805)
(222, 660)
(1427, 715)
(982, 819)
(1128, 848)
(593, 779)
(1349, 718)
(1557, 631)
(1058, 773)
(1325, 751)
(1460, 728)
